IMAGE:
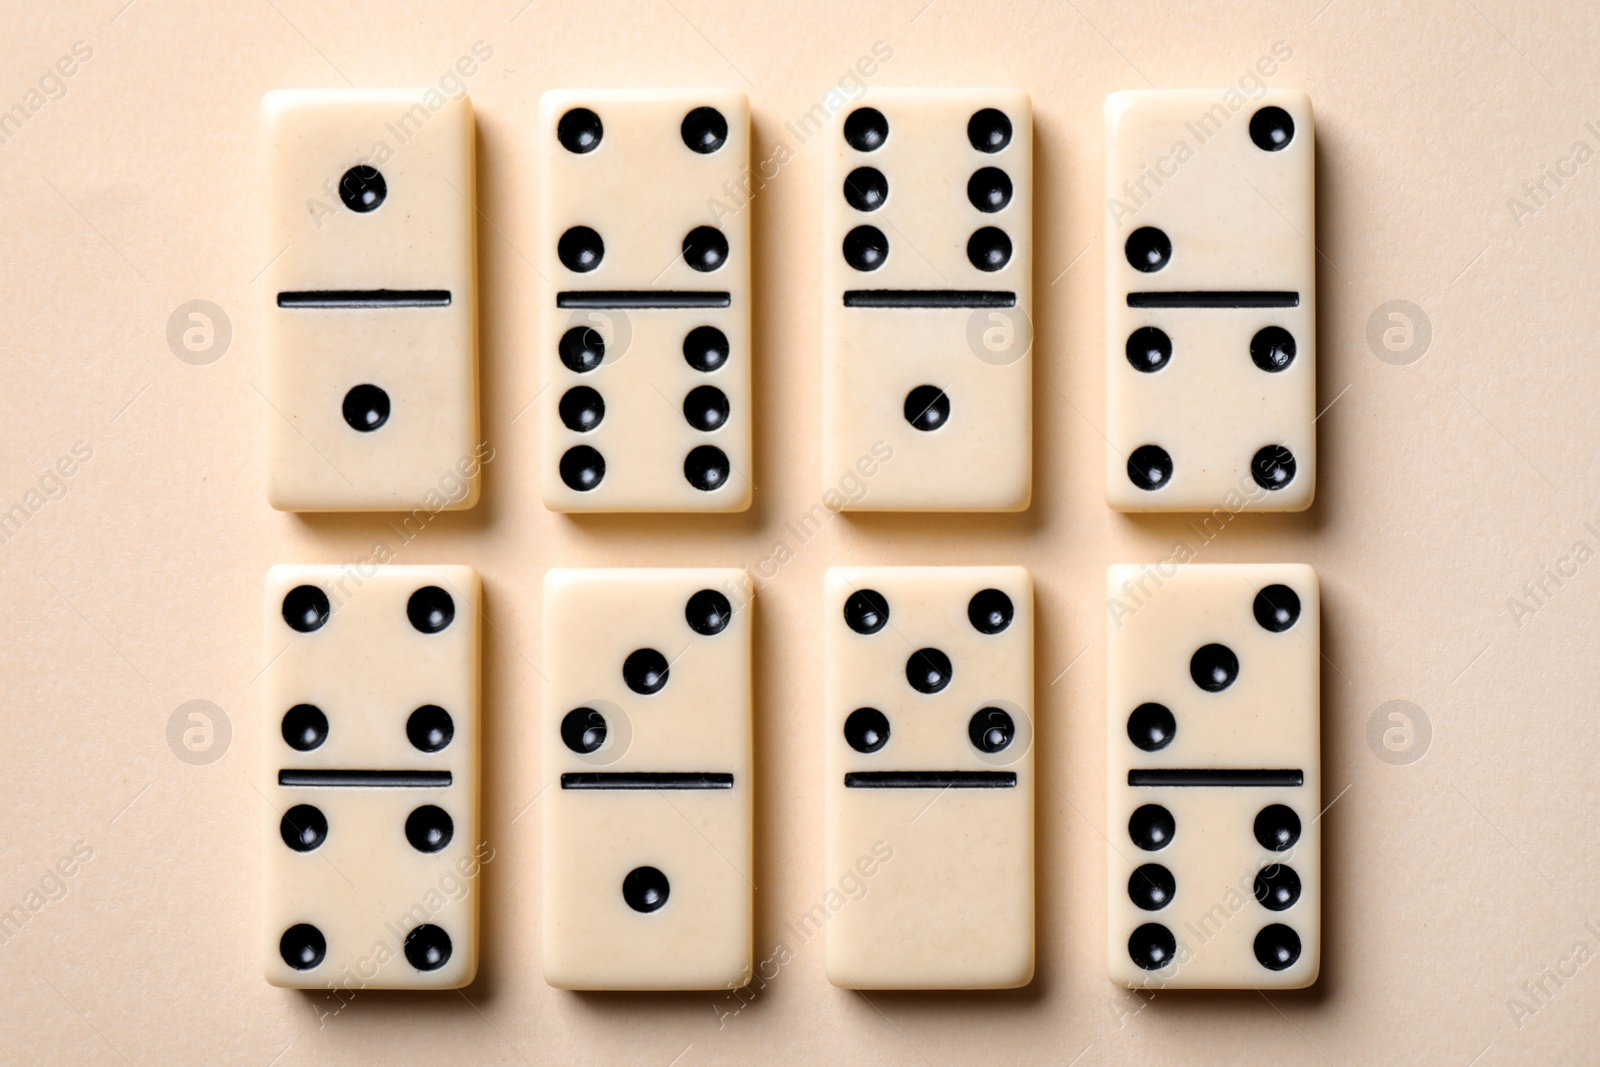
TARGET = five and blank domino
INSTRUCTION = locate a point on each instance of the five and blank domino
(928, 716)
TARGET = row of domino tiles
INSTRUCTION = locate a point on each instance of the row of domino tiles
(376, 856)
(645, 341)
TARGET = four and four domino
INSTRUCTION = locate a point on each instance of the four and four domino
(644, 344)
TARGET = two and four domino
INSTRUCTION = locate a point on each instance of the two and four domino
(644, 339)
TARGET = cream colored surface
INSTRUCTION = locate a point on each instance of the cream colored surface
(1182, 161)
(643, 190)
(927, 888)
(981, 459)
(367, 668)
(136, 584)
(420, 237)
(1268, 718)
(701, 840)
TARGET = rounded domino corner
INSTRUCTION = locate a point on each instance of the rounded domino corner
(739, 504)
(469, 971)
(1313, 973)
(1302, 505)
(1022, 501)
(1020, 978)
(473, 495)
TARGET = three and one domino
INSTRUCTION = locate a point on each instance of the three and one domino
(644, 344)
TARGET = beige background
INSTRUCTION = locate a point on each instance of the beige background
(1445, 485)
